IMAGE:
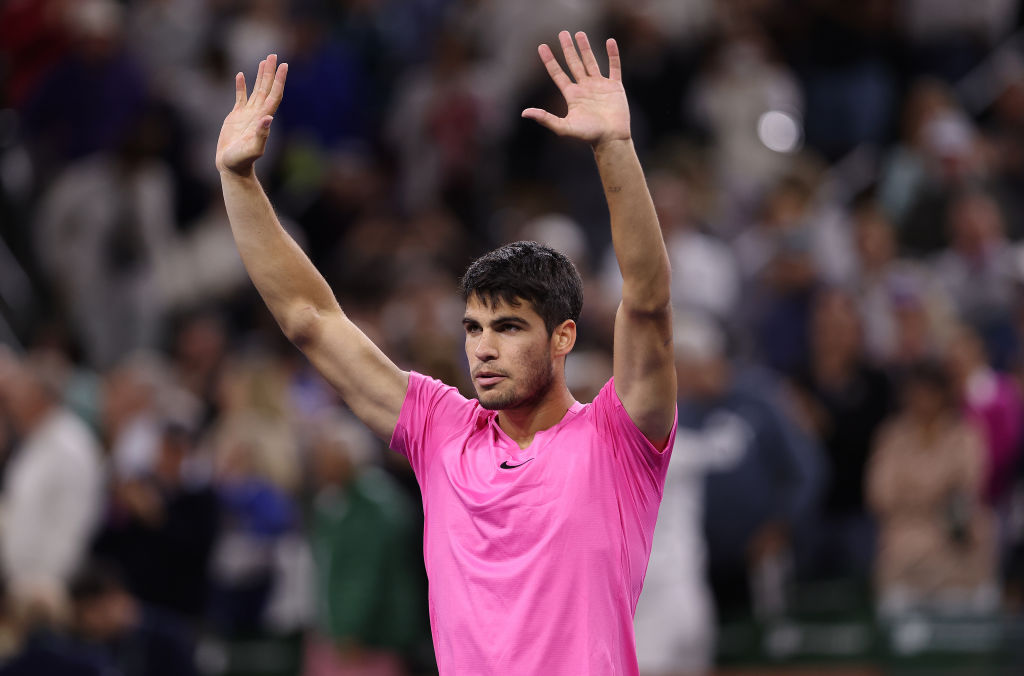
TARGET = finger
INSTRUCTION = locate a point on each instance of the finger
(614, 65)
(589, 60)
(276, 90)
(543, 117)
(240, 97)
(268, 76)
(572, 59)
(554, 69)
(256, 82)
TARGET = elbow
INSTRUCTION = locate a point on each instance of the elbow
(303, 326)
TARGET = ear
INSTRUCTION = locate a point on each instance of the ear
(563, 338)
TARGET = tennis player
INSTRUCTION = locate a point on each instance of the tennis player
(539, 510)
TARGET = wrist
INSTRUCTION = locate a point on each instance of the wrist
(611, 144)
(227, 174)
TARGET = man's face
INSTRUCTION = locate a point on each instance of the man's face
(509, 353)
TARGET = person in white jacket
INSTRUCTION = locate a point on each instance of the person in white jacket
(52, 493)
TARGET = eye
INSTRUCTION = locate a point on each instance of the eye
(509, 328)
(472, 329)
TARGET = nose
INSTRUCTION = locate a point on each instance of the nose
(485, 348)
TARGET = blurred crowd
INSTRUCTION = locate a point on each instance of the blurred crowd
(839, 185)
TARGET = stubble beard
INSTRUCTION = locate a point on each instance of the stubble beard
(537, 384)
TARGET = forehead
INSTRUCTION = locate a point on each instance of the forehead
(480, 309)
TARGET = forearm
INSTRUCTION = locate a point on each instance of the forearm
(282, 273)
(636, 234)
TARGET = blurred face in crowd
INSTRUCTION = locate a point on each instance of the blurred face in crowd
(331, 464)
(511, 355)
(975, 223)
(925, 401)
(174, 448)
(874, 237)
(23, 399)
(107, 616)
(124, 396)
(835, 325)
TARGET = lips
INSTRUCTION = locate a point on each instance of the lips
(488, 378)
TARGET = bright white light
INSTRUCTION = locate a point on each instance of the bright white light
(779, 131)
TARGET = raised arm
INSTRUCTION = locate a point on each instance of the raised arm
(297, 295)
(598, 113)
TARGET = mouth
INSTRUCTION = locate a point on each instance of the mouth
(488, 378)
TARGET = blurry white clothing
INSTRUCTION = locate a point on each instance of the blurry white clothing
(52, 500)
(136, 447)
(730, 100)
(202, 265)
(100, 236)
(983, 288)
(705, 274)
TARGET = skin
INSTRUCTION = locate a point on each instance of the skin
(372, 385)
(517, 367)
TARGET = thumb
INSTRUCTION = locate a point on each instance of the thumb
(546, 119)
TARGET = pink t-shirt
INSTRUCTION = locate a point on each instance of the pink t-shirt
(535, 557)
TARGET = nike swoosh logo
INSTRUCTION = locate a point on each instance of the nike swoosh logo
(505, 464)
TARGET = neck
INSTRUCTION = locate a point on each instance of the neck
(523, 422)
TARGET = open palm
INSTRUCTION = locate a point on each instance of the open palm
(243, 136)
(597, 106)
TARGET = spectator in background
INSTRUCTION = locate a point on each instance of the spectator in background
(130, 416)
(979, 272)
(954, 163)
(134, 639)
(199, 360)
(34, 641)
(256, 516)
(100, 231)
(444, 123)
(908, 167)
(705, 274)
(992, 402)
(780, 277)
(743, 80)
(161, 526)
(843, 400)
(905, 314)
(936, 546)
(99, 75)
(371, 618)
(53, 485)
(737, 436)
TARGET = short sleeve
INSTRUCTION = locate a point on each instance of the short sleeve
(431, 413)
(643, 465)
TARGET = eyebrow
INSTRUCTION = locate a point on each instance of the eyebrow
(504, 319)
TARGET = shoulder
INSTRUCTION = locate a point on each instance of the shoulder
(613, 423)
(425, 394)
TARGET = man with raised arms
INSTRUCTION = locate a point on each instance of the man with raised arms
(539, 510)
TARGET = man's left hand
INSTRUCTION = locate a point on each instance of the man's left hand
(598, 111)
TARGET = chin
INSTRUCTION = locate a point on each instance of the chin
(496, 401)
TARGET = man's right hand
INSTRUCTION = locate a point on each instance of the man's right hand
(243, 137)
